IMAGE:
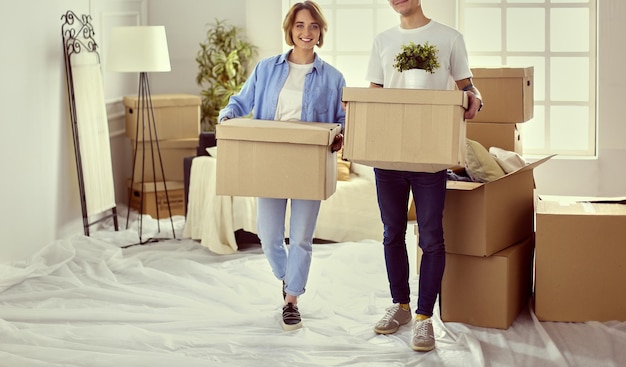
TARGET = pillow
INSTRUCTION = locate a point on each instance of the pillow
(212, 151)
(480, 165)
(343, 167)
(509, 161)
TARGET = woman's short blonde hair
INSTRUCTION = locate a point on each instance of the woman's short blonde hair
(316, 13)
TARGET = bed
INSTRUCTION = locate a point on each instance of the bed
(350, 214)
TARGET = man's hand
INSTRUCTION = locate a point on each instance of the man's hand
(473, 106)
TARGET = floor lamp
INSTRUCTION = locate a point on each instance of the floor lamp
(143, 49)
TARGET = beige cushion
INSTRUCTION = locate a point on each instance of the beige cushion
(480, 165)
(509, 161)
(343, 167)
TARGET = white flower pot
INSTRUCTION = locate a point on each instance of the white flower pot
(415, 79)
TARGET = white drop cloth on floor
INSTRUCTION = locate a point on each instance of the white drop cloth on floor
(86, 301)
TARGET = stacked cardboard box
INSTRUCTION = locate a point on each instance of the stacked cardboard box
(508, 94)
(159, 150)
(489, 227)
(580, 259)
(488, 232)
(152, 198)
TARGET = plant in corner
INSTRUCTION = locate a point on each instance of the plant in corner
(418, 56)
(223, 61)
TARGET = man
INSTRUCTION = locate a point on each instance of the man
(429, 189)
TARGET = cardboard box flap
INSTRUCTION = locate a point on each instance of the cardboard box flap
(568, 207)
(606, 200)
(166, 100)
(295, 132)
(468, 186)
(406, 96)
(502, 72)
(584, 199)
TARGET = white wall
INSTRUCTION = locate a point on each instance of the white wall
(39, 189)
(185, 23)
(38, 194)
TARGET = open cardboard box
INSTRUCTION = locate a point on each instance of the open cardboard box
(481, 219)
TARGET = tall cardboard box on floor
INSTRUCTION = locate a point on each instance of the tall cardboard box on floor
(176, 116)
(276, 159)
(487, 291)
(480, 219)
(580, 265)
(405, 129)
(508, 94)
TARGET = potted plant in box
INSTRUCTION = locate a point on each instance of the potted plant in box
(416, 58)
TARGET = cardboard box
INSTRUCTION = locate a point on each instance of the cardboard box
(487, 291)
(504, 136)
(480, 219)
(580, 263)
(508, 94)
(176, 116)
(276, 159)
(155, 200)
(405, 129)
(173, 153)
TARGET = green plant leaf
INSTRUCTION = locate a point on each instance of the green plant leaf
(223, 62)
(417, 56)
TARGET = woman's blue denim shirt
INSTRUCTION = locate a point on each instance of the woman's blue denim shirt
(321, 101)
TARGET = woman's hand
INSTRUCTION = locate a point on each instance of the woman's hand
(337, 143)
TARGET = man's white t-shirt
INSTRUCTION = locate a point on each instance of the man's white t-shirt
(452, 55)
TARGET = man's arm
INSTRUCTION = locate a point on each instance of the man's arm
(475, 99)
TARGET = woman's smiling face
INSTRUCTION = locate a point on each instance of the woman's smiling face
(305, 31)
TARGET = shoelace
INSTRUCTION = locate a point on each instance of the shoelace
(291, 312)
(391, 312)
(421, 329)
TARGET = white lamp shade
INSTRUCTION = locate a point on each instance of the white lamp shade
(138, 49)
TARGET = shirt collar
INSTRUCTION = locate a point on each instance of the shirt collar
(317, 61)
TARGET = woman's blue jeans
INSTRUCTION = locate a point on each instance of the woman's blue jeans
(429, 191)
(292, 263)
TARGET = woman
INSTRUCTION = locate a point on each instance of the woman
(297, 85)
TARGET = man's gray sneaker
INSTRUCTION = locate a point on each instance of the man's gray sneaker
(423, 339)
(394, 317)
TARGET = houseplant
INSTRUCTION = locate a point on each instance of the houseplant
(223, 62)
(418, 56)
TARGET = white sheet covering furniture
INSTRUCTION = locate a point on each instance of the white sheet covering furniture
(350, 214)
